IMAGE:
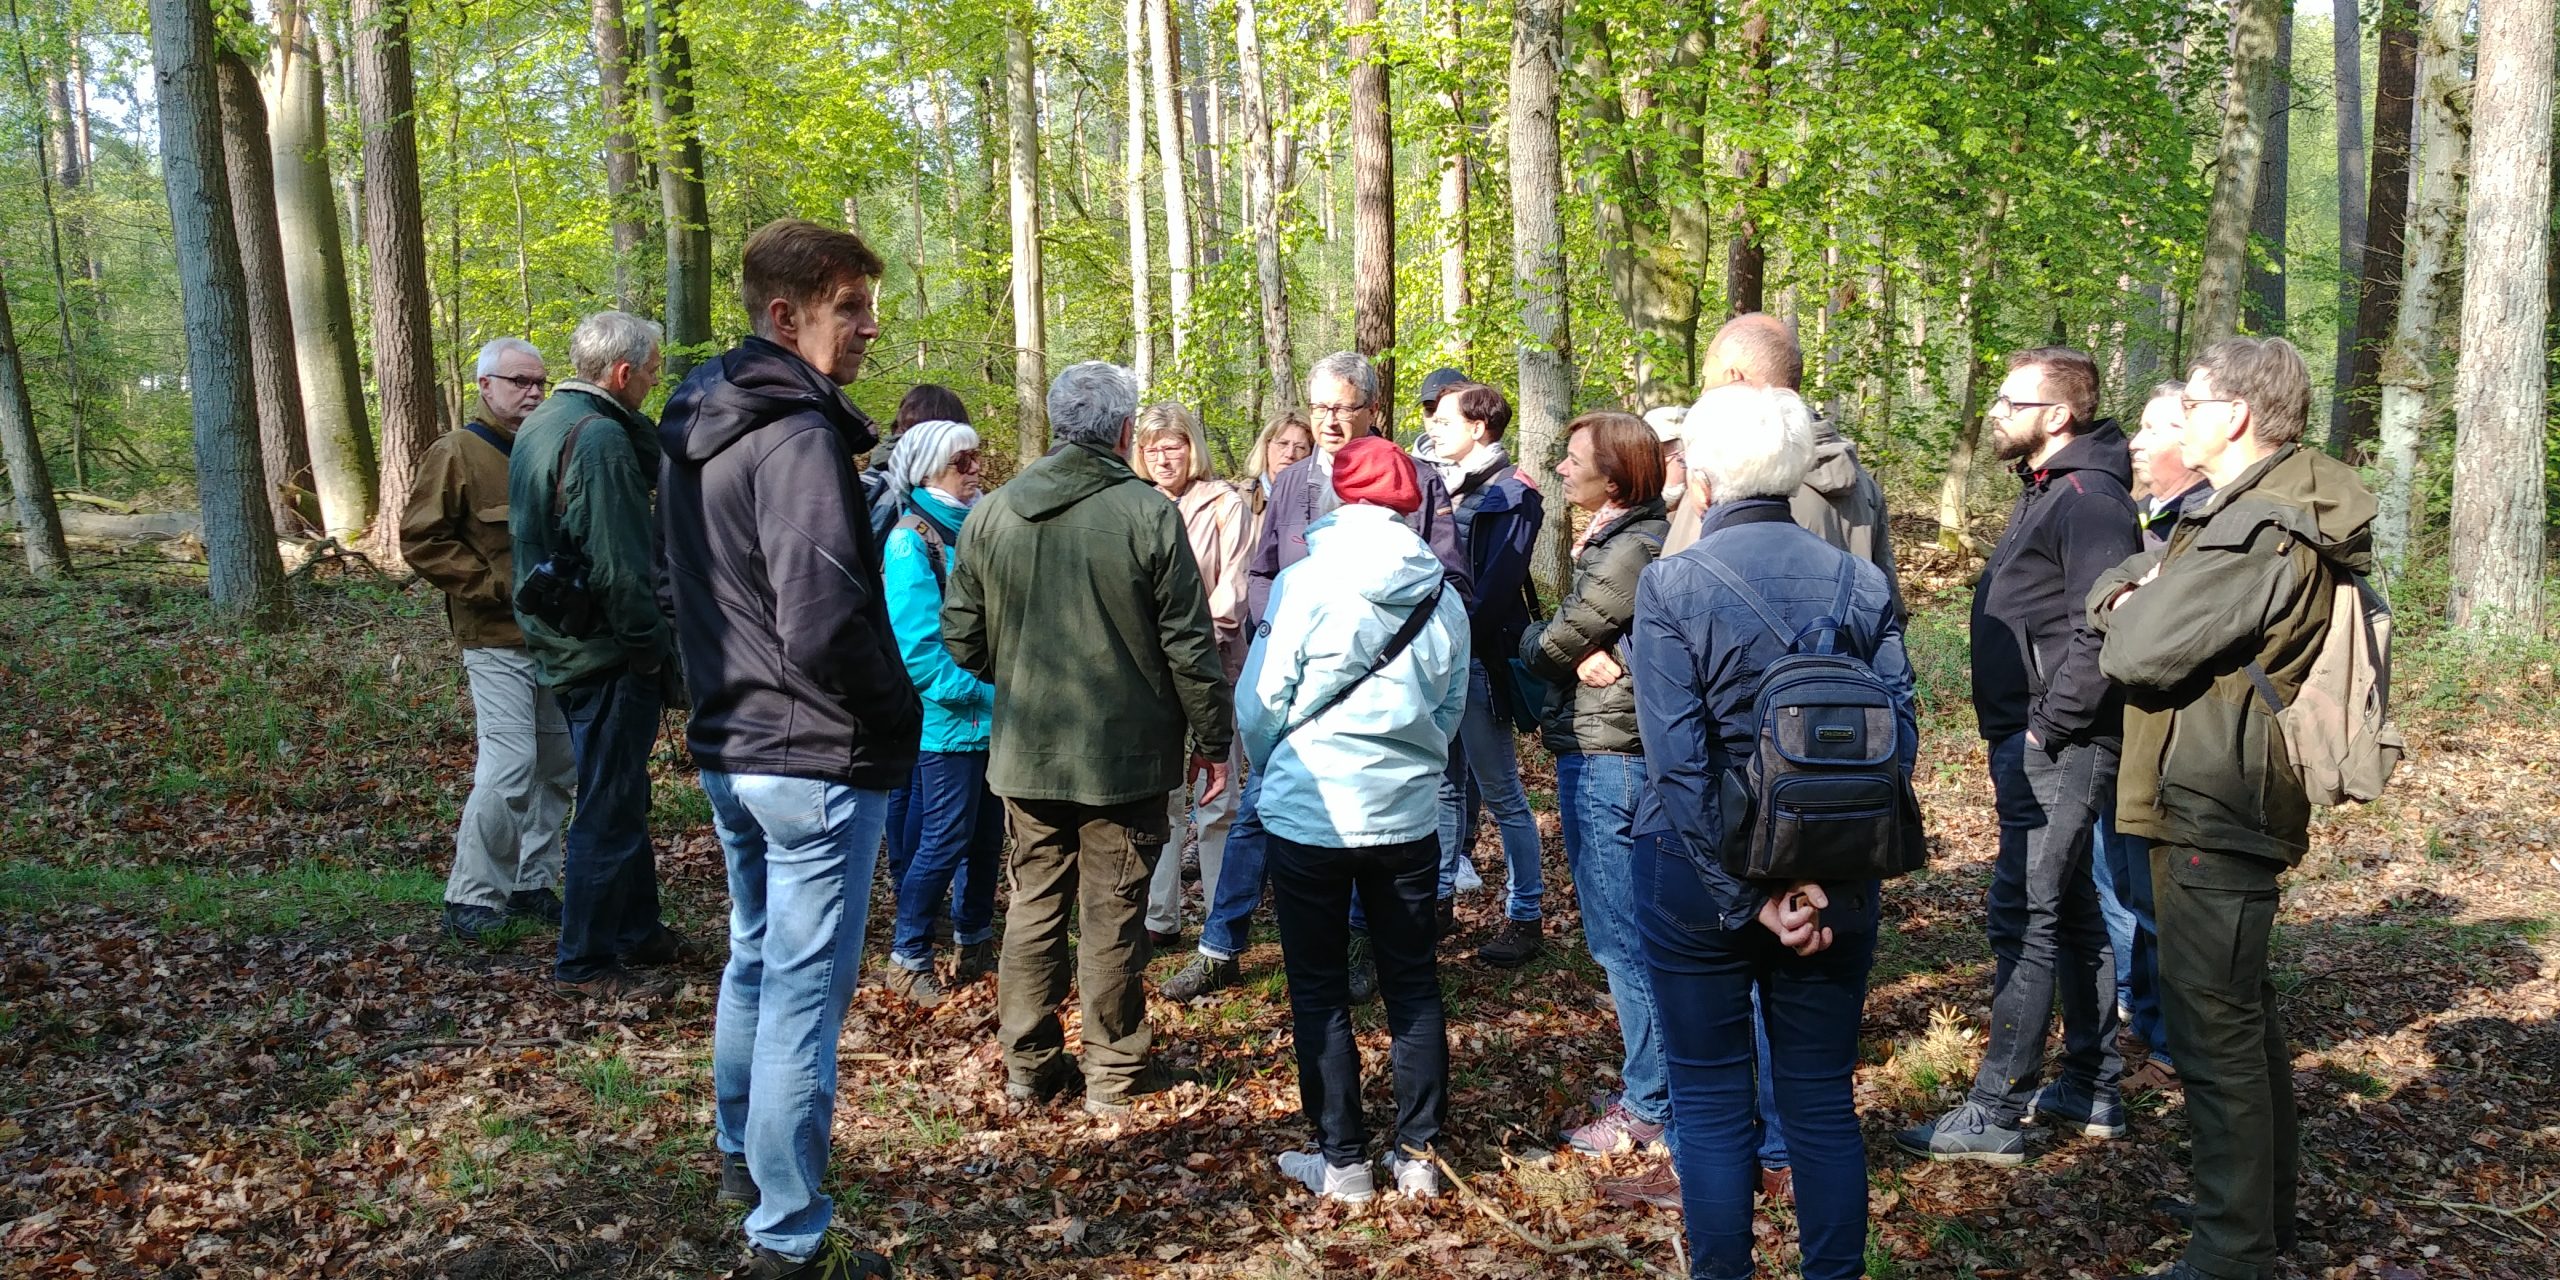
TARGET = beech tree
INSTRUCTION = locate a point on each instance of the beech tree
(1373, 198)
(1537, 255)
(404, 360)
(609, 36)
(2220, 285)
(681, 196)
(1142, 340)
(2395, 88)
(1262, 195)
(338, 431)
(39, 521)
(1030, 328)
(282, 445)
(1172, 166)
(2346, 61)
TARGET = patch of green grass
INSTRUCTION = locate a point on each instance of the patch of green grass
(301, 895)
(1881, 1264)
(468, 1175)
(615, 1086)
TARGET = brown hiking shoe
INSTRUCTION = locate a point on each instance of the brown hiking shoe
(977, 960)
(915, 986)
(617, 983)
(1658, 1185)
(1514, 944)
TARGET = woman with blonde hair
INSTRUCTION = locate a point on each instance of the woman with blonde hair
(1287, 439)
(1168, 449)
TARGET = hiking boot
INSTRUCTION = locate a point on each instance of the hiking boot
(1117, 1103)
(1203, 975)
(1658, 1186)
(470, 922)
(1417, 1178)
(1348, 1183)
(1448, 919)
(1364, 970)
(977, 960)
(836, 1259)
(535, 904)
(617, 983)
(1617, 1129)
(737, 1186)
(1514, 944)
(1165, 939)
(1057, 1078)
(664, 947)
(1966, 1133)
(2066, 1105)
(915, 986)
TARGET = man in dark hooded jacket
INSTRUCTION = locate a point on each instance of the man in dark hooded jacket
(803, 718)
(2053, 723)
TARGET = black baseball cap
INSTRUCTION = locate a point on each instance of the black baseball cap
(1437, 381)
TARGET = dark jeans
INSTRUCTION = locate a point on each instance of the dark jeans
(2124, 863)
(954, 835)
(1704, 978)
(609, 873)
(2217, 911)
(1095, 860)
(2047, 935)
(1311, 887)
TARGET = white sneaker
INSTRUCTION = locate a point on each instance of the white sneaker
(1416, 1179)
(1350, 1183)
(1468, 880)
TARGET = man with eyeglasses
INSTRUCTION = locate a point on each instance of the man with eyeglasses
(506, 854)
(2053, 723)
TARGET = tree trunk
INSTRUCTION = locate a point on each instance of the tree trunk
(2264, 303)
(1174, 167)
(1746, 262)
(1454, 298)
(2235, 169)
(1199, 73)
(2441, 137)
(1142, 341)
(681, 198)
(282, 446)
(39, 523)
(1537, 257)
(1030, 337)
(2346, 63)
(46, 175)
(245, 575)
(330, 49)
(336, 428)
(2386, 215)
(1974, 311)
(2500, 412)
(404, 360)
(1279, 356)
(1654, 273)
(609, 36)
(1373, 198)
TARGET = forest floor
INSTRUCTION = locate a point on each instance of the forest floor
(232, 1042)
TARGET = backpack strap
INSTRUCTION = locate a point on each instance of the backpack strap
(505, 448)
(1835, 625)
(935, 553)
(1403, 639)
(1759, 603)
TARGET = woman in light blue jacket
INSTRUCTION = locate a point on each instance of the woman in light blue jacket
(951, 826)
(1345, 708)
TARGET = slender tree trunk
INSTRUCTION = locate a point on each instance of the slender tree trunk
(336, 428)
(2219, 288)
(681, 198)
(245, 574)
(2441, 137)
(1279, 356)
(1142, 339)
(609, 37)
(2346, 64)
(1454, 299)
(1199, 73)
(1537, 256)
(2264, 303)
(2500, 406)
(39, 522)
(1373, 199)
(282, 446)
(1173, 166)
(1974, 311)
(404, 360)
(1030, 336)
(46, 175)
(1746, 262)
(325, 23)
(2386, 215)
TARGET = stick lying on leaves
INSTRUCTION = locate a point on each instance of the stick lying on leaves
(1595, 1244)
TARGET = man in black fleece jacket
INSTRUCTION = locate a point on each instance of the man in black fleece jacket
(803, 717)
(2053, 722)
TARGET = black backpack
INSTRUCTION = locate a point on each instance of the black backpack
(1822, 796)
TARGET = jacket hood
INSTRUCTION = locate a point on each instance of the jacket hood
(1367, 549)
(749, 386)
(2102, 448)
(2322, 500)
(1835, 461)
(1071, 474)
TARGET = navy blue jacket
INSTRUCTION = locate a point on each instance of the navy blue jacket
(1498, 513)
(1698, 650)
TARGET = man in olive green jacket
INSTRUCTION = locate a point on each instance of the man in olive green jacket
(2239, 594)
(1076, 593)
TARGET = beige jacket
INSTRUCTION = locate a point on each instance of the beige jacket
(1219, 523)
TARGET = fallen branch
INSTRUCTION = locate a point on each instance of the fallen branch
(398, 1047)
(329, 551)
(69, 1105)
(2515, 1215)
(1611, 1245)
(103, 504)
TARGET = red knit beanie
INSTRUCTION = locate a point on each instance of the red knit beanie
(1371, 469)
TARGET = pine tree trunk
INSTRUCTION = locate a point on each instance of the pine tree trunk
(2500, 410)
(1279, 355)
(1174, 168)
(1746, 262)
(336, 427)
(1373, 200)
(2346, 66)
(2235, 169)
(682, 200)
(1142, 342)
(1030, 337)
(609, 38)
(2265, 297)
(2386, 216)
(1537, 257)
(282, 446)
(245, 575)
(2441, 140)
(404, 362)
(39, 522)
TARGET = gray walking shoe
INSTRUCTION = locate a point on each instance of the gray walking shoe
(1200, 977)
(915, 986)
(1966, 1133)
(2065, 1105)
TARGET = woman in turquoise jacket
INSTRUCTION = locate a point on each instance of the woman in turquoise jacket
(951, 826)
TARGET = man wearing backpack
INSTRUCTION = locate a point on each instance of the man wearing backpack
(2052, 724)
(2202, 636)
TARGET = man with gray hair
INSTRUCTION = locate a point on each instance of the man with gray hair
(1076, 593)
(506, 855)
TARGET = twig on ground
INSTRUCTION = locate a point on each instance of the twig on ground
(1555, 1249)
(2516, 1215)
(398, 1047)
(65, 1105)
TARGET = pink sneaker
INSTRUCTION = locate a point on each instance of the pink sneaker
(1617, 1130)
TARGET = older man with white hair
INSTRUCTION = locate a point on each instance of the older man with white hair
(1077, 594)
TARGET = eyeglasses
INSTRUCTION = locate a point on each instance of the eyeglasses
(2189, 403)
(534, 385)
(965, 460)
(1169, 449)
(1336, 410)
(2004, 407)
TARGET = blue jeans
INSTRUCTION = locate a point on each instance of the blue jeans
(1704, 975)
(954, 835)
(800, 862)
(1487, 755)
(609, 869)
(1229, 928)
(2124, 886)
(1597, 794)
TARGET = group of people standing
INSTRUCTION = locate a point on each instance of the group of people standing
(1321, 672)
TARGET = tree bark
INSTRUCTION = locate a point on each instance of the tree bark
(328, 46)
(609, 37)
(1654, 270)
(336, 429)
(1454, 299)
(2265, 299)
(1142, 341)
(404, 362)
(2346, 65)
(2235, 169)
(2441, 135)
(1537, 256)
(245, 575)
(1279, 355)
(1373, 197)
(39, 522)
(2386, 216)
(681, 198)
(2500, 410)
(1973, 311)
(1199, 74)
(282, 446)
(1173, 166)
(1030, 336)
(1746, 262)
(46, 175)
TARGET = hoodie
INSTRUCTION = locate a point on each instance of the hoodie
(1841, 503)
(2034, 666)
(1367, 771)
(1076, 593)
(958, 706)
(780, 616)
